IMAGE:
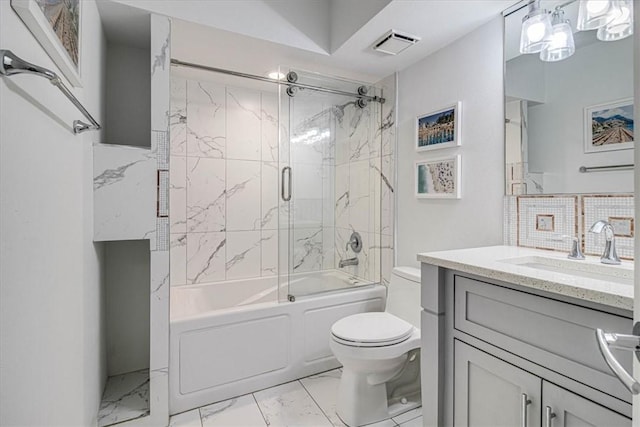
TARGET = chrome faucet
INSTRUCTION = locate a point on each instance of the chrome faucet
(355, 243)
(609, 256)
(346, 262)
(576, 251)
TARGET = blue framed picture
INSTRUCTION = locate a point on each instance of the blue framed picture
(439, 129)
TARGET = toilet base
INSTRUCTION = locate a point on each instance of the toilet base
(360, 402)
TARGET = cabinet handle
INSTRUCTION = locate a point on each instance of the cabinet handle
(286, 197)
(549, 416)
(625, 342)
(525, 403)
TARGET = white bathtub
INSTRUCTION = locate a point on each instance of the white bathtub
(232, 338)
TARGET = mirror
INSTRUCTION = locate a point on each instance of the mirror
(566, 115)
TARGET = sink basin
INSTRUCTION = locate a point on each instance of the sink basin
(587, 270)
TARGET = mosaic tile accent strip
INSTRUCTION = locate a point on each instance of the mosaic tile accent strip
(619, 210)
(163, 193)
(510, 225)
(162, 142)
(162, 230)
(564, 212)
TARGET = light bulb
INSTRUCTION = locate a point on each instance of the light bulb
(597, 6)
(621, 27)
(536, 32)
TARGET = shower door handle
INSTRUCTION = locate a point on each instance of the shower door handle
(286, 196)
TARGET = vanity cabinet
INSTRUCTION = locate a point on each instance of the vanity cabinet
(492, 392)
(504, 350)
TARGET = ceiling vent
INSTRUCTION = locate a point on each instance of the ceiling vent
(393, 42)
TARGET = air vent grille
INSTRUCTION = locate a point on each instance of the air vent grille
(393, 42)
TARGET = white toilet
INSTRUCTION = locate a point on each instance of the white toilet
(380, 355)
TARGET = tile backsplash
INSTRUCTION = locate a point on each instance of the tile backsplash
(543, 222)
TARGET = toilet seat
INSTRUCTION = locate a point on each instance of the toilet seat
(377, 329)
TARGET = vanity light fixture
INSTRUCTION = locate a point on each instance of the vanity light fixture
(536, 29)
(561, 44)
(594, 14)
(621, 27)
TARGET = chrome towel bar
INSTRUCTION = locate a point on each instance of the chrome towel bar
(11, 65)
(584, 169)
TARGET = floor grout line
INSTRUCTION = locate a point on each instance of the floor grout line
(317, 404)
(266, 422)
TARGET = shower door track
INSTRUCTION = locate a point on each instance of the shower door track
(177, 62)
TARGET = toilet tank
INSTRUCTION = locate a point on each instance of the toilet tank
(403, 294)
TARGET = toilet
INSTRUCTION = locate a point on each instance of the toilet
(380, 355)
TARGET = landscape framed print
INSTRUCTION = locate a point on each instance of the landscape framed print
(609, 127)
(438, 178)
(439, 129)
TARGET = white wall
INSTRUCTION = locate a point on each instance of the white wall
(128, 92)
(469, 70)
(52, 368)
(598, 73)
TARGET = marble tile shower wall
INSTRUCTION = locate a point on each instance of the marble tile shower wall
(224, 182)
(541, 221)
(224, 191)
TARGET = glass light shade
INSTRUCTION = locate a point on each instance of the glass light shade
(621, 27)
(594, 14)
(536, 30)
(561, 44)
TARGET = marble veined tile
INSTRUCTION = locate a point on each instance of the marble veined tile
(243, 254)
(124, 192)
(178, 117)
(186, 419)
(125, 397)
(323, 388)
(244, 118)
(359, 127)
(342, 196)
(243, 195)
(206, 257)
(206, 194)
(269, 248)
(269, 127)
(416, 422)
(270, 194)
(359, 211)
(178, 195)
(240, 411)
(409, 415)
(290, 405)
(307, 249)
(206, 119)
(178, 259)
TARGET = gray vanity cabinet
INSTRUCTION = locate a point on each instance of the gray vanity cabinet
(561, 408)
(493, 393)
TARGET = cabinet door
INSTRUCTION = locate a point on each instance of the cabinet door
(561, 408)
(490, 392)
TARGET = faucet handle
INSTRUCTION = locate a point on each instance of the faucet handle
(576, 249)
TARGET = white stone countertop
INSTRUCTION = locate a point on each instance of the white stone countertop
(493, 262)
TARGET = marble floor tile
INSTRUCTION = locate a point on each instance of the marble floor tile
(288, 405)
(125, 397)
(240, 411)
(416, 422)
(323, 388)
(408, 416)
(186, 419)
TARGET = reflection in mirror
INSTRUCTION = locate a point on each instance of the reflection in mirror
(564, 115)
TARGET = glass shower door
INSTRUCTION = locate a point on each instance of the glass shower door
(327, 163)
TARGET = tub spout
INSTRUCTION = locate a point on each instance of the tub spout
(346, 262)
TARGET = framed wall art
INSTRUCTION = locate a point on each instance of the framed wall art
(439, 129)
(56, 25)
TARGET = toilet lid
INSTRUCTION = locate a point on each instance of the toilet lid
(377, 329)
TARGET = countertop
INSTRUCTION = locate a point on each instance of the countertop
(490, 262)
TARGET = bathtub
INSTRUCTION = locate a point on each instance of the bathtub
(225, 347)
